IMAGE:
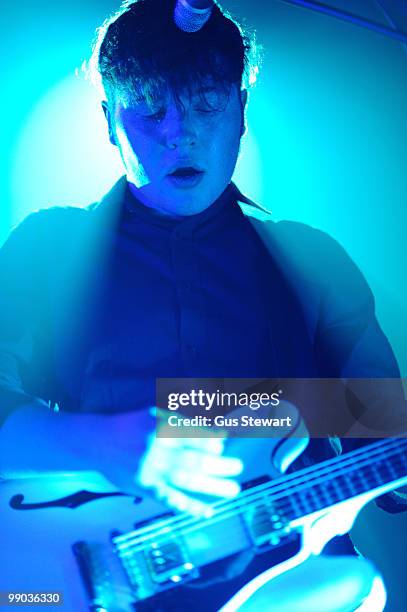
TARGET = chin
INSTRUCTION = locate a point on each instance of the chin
(186, 204)
(187, 208)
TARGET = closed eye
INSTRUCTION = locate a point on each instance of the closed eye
(158, 116)
(207, 109)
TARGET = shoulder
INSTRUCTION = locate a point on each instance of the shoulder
(311, 246)
(320, 254)
(311, 255)
(45, 245)
(297, 239)
(300, 240)
(298, 246)
(63, 227)
(48, 219)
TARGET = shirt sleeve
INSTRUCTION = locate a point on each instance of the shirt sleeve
(349, 344)
(350, 341)
(20, 296)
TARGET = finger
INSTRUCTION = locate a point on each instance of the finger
(213, 445)
(201, 483)
(157, 459)
(180, 501)
(214, 465)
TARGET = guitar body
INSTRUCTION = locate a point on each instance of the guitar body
(37, 543)
(102, 549)
(45, 519)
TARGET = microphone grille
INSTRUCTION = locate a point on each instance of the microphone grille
(190, 19)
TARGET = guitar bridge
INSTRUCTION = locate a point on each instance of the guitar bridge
(156, 566)
(103, 578)
(266, 526)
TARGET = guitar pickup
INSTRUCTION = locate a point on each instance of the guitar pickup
(168, 562)
(266, 526)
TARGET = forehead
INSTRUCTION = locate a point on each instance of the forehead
(153, 92)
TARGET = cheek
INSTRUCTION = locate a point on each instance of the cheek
(134, 151)
(136, 147)
(226, 143)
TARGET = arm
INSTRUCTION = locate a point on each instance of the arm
(18, 308)
(352, 342)
(340, 310)
(35, 439)
(351, 346)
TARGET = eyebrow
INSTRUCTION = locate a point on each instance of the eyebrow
(210, 88)
(140, 99)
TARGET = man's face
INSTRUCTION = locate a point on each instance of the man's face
(180, 155)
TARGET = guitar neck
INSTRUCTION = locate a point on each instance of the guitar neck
(258, 515)
(376, 469)
(379, 467)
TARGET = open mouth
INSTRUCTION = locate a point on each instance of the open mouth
(187, 176)
(186, 172)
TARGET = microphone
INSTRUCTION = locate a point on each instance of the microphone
(191, 15)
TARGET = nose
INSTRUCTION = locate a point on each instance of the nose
(180, 131)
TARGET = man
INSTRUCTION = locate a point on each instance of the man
(173, 274)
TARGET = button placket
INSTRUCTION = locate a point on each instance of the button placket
(185, 275)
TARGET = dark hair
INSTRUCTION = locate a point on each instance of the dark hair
(139, 50)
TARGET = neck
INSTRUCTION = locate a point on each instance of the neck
(161, 212)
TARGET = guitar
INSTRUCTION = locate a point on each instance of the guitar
(107, 550)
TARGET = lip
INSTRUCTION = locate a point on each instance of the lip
(186, 182)
(183, 163)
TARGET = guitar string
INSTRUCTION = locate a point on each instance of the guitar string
(282, 484)
(195, 523)
(297, 482)
(221, 535)
(166, 538)
(222, 540)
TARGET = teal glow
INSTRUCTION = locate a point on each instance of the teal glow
(328, 117)
(327, 146)
(63, 155)
(327, 137)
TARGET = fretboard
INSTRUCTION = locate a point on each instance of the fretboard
(378, 467)
(342, 478)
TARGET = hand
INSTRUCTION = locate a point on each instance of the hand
(178, 468)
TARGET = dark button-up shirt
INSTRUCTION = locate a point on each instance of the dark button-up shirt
(186, 299)
(95, 304)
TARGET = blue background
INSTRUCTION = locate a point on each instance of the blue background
(327, 145)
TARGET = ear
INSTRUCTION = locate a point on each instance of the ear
(110, 122)
(243, 100)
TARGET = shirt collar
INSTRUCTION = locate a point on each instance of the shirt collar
(190, 223)
(120, 199)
